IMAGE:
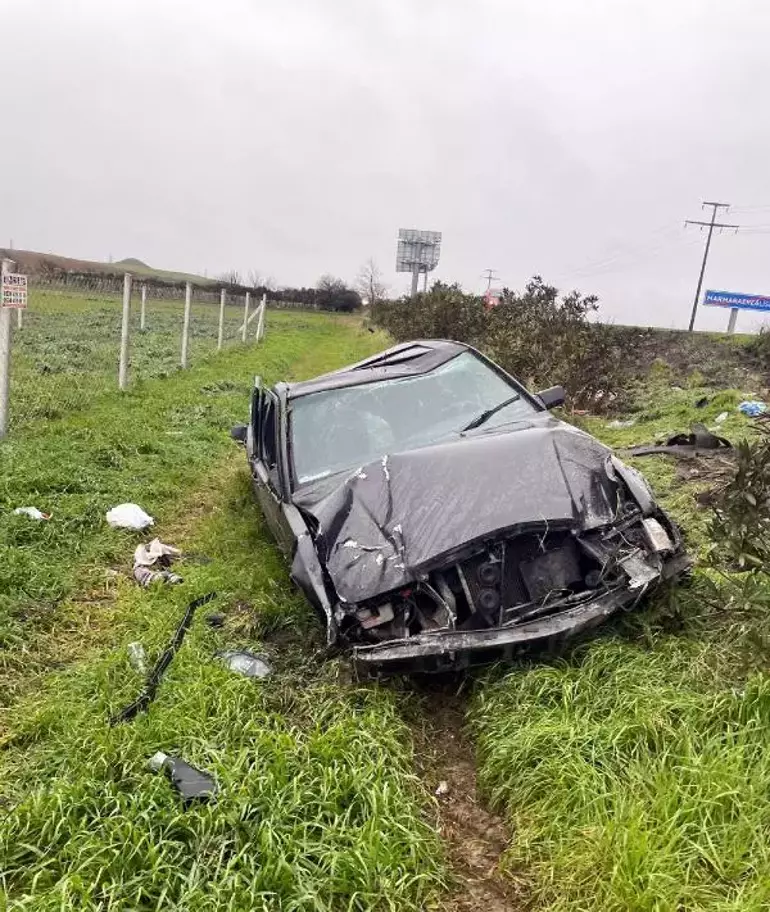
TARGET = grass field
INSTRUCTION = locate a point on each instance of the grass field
(634, 772)
(319, 806)
(67, 351)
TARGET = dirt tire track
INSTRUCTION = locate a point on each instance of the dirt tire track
(474, 836)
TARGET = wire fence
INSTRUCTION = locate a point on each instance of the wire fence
(66, 345)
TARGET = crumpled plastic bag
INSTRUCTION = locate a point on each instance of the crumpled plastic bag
(32, 512)
(147, 555)
(753, 408)
(129, 516)
(155, 554)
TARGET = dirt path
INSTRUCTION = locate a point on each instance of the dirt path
(474, 836)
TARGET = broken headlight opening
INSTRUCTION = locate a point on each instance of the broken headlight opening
(510, 582)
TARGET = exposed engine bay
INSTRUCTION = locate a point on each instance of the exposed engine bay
(514, 580)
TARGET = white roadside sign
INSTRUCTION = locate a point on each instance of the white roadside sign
(14, 291)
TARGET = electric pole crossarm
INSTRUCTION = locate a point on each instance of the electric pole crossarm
(710, 224)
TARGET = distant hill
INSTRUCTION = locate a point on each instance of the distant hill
(33, 262)
(132, 261)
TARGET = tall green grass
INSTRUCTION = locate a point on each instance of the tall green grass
(318, 806)
(632, 779)
(635, 773)
(151, 445)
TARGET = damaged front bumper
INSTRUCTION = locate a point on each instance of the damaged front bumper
(456, 649)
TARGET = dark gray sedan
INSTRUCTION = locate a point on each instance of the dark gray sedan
(436, 514)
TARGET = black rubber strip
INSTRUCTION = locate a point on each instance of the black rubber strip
(146, 697)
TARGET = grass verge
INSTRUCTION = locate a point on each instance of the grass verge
(318, 808)
(635, 773)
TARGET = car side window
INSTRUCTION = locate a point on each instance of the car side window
(257, 403)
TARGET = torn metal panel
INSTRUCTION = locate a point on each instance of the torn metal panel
(381, 526)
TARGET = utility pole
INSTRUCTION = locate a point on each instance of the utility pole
(490, 277)
(6, 331)
(124, 331)
(711, 226)
(186, 323)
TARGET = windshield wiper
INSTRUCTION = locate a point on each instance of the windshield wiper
(485, 416)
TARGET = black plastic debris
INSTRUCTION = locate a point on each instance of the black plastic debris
(146, 697)
(702, 403)
(245, 663)
(699, 441)
(191, 783)
(215, 620)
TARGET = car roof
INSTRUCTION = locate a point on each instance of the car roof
(406, 360)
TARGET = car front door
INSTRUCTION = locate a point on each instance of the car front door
(266, 471)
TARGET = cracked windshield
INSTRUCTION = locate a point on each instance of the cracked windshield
(341, 429)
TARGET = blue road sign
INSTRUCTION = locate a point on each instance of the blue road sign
(735, 300)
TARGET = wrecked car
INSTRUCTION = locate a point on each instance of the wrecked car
(436, 514)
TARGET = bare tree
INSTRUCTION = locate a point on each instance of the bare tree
(231, 277)
(333, 294)
(370, 284)
(258, 280)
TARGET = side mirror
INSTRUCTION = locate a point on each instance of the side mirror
(552, 397)
(238, 432)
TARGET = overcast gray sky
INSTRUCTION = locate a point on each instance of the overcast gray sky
(565, 137)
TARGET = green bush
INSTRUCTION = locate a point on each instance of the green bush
(740, 530)
(541, 338)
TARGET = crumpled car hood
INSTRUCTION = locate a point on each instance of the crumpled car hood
(380, 527)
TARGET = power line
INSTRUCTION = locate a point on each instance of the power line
(711, 226)
(621, 252)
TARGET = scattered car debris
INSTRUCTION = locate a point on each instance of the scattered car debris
(191, 783)
(32, 512)
(721, 417)
(155, 553)
(245, 663)
(146, 577)
(129, 516)
(699, 442)
(442, 789)
(137, 657)
(157, 671)
(753, 408)
(215, 620)
(437, 515)
(702, 402)
(617, 423)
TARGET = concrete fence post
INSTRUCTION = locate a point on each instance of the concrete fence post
(261, 322)
(221, 336)
(143, 313)
(6, 333)
(19, 318)
(245, 316)
(186, 324)
(124, 330)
